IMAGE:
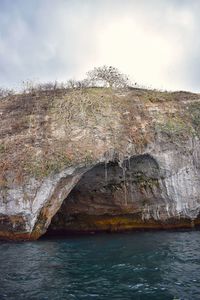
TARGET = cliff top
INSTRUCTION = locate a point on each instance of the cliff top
(44, 131)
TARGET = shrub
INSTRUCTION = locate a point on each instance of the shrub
(78, 84)
(2, 148)
(31, 87)
(194, 110)
(107, 77)
(174, 128)
(6, 92)
(48, 86)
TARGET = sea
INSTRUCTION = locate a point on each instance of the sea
(155, 265)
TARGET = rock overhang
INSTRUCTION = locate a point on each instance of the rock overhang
(52, 144)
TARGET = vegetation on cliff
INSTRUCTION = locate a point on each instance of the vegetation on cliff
(47, 127)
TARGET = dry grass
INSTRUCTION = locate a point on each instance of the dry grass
(43, 131)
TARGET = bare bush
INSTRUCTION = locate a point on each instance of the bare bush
(27, 86)
(107, 76)
(78, 84)
(31, 87)
(6, 92)
(47, 86)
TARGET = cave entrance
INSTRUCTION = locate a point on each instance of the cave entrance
(108, 197)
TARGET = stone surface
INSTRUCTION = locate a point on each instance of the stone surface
(146, 191)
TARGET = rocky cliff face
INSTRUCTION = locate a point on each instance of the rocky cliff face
(98, 159)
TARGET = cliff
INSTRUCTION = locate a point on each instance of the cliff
(98, 159)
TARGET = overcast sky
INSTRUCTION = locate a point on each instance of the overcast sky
(156, 42)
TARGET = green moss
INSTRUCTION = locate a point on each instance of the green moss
(194, 110)
(88, 157)
(157, 96)
(42, 168)
(2, 148)
(174, 127)
(145, 182)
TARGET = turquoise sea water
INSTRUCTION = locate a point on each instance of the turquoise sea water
(138, 265)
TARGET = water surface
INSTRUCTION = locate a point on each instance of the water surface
(143, 265)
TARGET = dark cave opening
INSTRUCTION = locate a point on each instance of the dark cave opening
(107, 195)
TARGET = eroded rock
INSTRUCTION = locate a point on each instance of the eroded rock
(140, 193)
(97, 159)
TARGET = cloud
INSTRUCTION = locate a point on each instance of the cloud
(155, 42)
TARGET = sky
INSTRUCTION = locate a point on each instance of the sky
(155, 42)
